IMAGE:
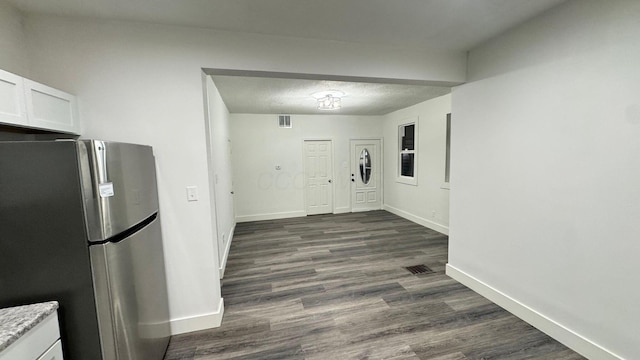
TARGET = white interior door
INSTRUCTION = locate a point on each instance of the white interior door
(366, 184)
(318, 173)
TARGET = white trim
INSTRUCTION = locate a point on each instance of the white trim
(552, 328)
(210, 168)
(198, 322)
(365, 209)
(406, 179)
(342, 210)
(416, 219)
(223, 263)
(271, 216)
(382, 172)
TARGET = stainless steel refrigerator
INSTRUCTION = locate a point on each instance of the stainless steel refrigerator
(79, 224)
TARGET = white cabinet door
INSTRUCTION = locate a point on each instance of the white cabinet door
(51, 109)
(54, 352)
(12, 103)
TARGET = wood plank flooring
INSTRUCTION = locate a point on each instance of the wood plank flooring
(336, 287)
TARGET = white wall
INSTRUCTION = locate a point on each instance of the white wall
(545, 198)
(142, 83)
(426, 203)
(262, 192)
(136, 85)
(13, 56)
(219, 158)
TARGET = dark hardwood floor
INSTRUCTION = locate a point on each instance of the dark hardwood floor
(336, 287)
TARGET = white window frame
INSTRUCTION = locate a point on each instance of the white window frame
(447, 160)
(409, 180)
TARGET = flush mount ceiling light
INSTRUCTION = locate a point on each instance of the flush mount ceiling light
(329, 103)
(329, 100)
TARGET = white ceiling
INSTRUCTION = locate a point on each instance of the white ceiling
(456, 25)
(293, 96)
(439, 24)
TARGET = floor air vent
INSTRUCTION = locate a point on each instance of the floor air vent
(419, 269)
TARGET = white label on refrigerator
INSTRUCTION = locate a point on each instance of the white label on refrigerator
(106, 190)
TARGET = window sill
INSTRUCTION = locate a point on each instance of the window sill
(407, 180)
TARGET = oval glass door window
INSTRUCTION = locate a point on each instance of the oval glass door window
(365, 166)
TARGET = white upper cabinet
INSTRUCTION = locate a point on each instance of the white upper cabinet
(30, 104)
(48, 108)
(12, 99)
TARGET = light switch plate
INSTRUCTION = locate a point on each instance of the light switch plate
(192, 193)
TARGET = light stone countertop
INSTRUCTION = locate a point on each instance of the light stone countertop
(16, 321)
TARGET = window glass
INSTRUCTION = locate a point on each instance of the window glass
(365, 166)
(406, 168)
(408, 137)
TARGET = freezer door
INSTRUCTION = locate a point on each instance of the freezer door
(119, 186)
(131, 296)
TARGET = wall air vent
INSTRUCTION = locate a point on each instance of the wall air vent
(284, 121)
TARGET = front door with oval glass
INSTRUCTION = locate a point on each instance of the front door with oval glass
(366, 187)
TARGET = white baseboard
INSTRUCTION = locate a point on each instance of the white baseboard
(363, 210)
(552, 328)
(342, 210)
(198, 322)
(270, 216)
(225, 256)
(418, 220)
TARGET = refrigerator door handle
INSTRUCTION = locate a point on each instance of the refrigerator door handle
(101, 161)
